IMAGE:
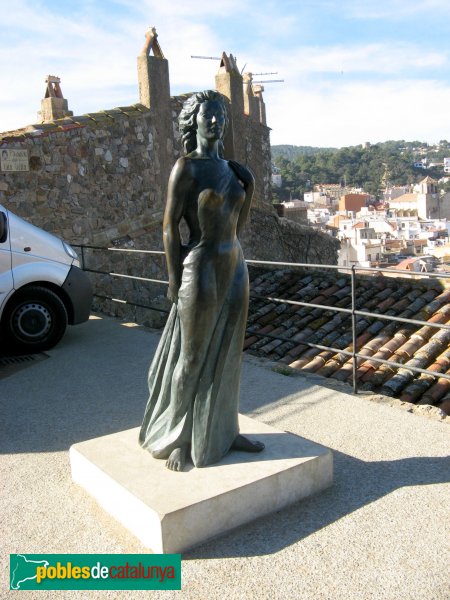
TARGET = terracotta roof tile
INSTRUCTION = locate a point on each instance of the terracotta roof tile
(408, 344)
(315, 364)
(437, 391)
(308, 355)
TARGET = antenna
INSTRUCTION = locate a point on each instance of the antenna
(242, 70)
(270, 81)
(207, 57)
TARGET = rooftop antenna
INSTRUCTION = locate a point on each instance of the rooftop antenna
(270, 81)
(242, 70)
(263, 81)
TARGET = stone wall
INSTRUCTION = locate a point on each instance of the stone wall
(271, 238)
(90, 183)
(98, 183)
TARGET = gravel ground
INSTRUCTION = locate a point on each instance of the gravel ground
(381, 532)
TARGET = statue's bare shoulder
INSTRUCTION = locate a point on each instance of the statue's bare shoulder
(182, 171)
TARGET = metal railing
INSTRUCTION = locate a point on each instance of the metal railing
(352, 311)
(122, 275)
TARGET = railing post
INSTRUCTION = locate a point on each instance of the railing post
(353, 282)
(82, 257)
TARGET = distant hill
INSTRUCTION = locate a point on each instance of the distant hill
(420, 149)
(372, 168)
(291, 152)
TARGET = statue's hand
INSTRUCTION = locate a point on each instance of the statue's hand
(172, 293)
(242, 173)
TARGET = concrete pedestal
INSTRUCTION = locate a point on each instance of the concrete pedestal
(171, 512)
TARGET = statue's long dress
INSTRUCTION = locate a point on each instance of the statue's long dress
(194, 376)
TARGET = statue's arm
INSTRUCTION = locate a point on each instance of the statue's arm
(245, 176)
(176, 197)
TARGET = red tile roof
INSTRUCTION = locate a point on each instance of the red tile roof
(404, 198)
(404, 264)
(424, 346)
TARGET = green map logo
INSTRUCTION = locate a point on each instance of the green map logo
(23, 570)
(95, 571)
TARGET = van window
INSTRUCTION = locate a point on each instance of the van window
(3, 228)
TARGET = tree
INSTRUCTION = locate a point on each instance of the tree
(370, 168)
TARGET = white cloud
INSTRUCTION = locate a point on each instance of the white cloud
(333, 94)
(95, 63)
(396, 10)
(159, 10)
(386, 58)
(360, 112)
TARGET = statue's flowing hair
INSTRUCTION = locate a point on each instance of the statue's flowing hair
(188, 118)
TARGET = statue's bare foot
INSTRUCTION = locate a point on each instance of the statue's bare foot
(177, 459)
(245, 445)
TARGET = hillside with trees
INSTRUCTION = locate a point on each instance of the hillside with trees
(370, 168)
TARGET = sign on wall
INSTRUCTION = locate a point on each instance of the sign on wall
(14, 159)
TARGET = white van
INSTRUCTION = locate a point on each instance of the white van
(42, 288)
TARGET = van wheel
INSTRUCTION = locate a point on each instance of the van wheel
(35, 320)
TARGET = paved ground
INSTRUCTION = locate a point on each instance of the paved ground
(381, 532)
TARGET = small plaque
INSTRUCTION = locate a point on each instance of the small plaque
(14, 159)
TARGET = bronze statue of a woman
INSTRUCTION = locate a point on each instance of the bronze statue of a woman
(192, 411)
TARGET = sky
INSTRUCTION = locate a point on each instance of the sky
(354, 71)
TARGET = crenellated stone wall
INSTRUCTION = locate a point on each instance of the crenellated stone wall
(100, 180)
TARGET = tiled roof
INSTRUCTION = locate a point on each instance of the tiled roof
(336, 220)
(418, 346)
(404, 198)
(406, 262)
(395, 243)
(93, 119)
(353, 195)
